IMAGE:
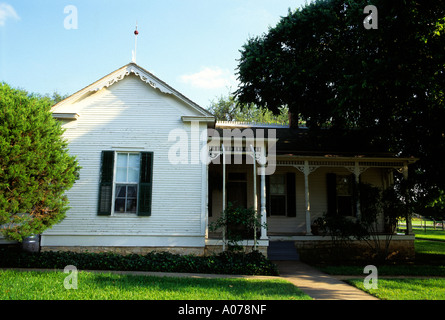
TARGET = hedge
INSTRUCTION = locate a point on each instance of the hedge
(253, 263)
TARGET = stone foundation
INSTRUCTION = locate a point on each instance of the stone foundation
(400, 248)
(216, 249)
(128, 250)
(208, 250)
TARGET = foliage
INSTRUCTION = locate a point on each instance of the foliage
(376, 206)
(389, 82)
(342, 230)
(436, 206)
(35, 166)
(229, 109)
(239, 223)
(253, 263)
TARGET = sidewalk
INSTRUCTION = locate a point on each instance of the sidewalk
(317, 284)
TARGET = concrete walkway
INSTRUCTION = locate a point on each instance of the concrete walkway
(318, 285)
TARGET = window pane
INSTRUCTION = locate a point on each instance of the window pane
(120, 191)
(134, 160)
(278, 184)
(122, 159)
(131, 191)
(131, 205)
(121, 174)
(133, 175)
(344, 186)
(277, 189)
(277, 179)
(119, 205)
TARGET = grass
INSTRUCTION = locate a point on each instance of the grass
(405, 289)
(429, 234)
(37, 285)
(430, 263)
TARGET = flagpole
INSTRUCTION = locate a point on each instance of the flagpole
(136, 32)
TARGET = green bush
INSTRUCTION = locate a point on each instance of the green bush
(253, 263)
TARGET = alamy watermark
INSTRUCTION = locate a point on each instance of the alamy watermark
(70, 281)
(371, 20)
(235, 145)
(371, 281)
(71, 21)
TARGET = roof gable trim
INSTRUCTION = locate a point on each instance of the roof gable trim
(144, 75)
(125, 71)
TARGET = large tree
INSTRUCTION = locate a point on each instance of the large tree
(35, 166)
(323, 64)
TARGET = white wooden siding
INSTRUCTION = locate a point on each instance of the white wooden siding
(131, 116)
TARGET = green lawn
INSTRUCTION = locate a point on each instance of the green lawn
(406, 289)
(430, 263)
(430, 234)
(20, 285)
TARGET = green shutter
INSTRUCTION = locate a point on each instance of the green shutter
(106, 183)
(145, 184)
(331, 184)
(291, 195)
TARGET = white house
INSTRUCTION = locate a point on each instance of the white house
(157, 170)
(129, 194)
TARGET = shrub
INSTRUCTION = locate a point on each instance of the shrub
(254, 263)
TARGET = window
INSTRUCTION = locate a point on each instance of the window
(126, 182)
(130, 176)
(278, 195)
(281, 189)
(345, 192)
(341, 194)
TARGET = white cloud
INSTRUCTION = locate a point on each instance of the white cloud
(7, 12)
(210, 78)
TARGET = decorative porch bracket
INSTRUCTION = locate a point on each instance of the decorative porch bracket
(306, 169)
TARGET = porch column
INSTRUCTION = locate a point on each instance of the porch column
(263, 203)
(306, 198)
(255, 194)
(306, 170)
(224, 195)
(409, 225)
(357, 170)
(357, 184)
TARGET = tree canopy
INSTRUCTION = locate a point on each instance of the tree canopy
(323, 64)
(229, 109)
(35, 166)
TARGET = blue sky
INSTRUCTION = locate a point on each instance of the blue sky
(192, 45)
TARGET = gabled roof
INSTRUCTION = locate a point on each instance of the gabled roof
(144, 75)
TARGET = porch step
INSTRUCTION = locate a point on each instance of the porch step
(282, 250)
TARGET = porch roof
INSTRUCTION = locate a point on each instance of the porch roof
(324, 143)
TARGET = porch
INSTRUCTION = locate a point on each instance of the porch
(288, 189)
